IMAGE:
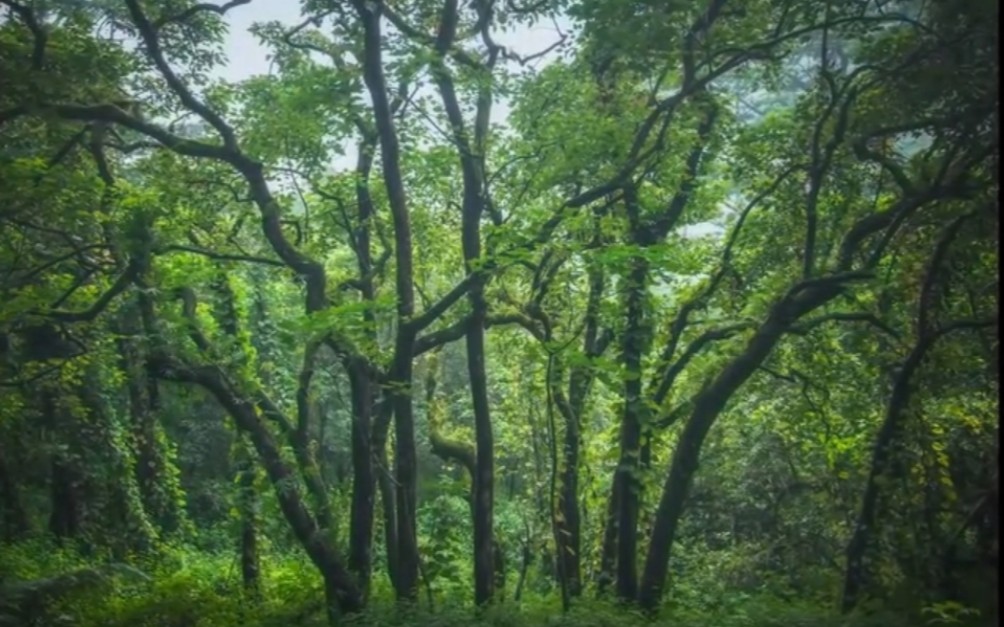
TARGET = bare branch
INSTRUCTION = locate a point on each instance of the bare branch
(844, 316)
(201, 7)
(124, 280)
(220, 256)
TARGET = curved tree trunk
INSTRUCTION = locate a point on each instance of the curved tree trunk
(855, 574)
(707, 406)
(340, 587)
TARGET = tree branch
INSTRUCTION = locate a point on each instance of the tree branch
(187, 14)
(148, 32)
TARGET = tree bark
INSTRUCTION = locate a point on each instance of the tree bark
(400, 375)
(708, 405)
(385, 485)
(608, 548)
(247, 505)
(301, 439)
(361, 383)
(580, 379)
(363, 485)
(627, 479)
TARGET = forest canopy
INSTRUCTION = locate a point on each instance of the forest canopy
(585, 312)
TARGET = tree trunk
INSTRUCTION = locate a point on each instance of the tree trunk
(399, 381)
(484, 472)
(125, 519)
(157, 487)
(405, 467)
(385, 485)
(363, 485)
(361, 384)
(301, 441)
(608, 549)
(247, 505)
(707, 406)
(568, 538)
(340, 587)
(13, 518)
(65, 519)
(881, 464)
(626, 479)
(579, 381)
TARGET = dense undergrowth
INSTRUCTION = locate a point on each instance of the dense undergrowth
(183, 587)
(699, 301)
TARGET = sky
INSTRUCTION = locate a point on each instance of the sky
(247, 57)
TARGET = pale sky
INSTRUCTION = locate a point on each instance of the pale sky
(248, 58)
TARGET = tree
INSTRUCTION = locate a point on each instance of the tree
(662, 277)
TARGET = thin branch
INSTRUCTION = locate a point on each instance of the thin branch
(188, 13)
(944, 242)
(220, 256)
(844, 316)
(125, 279)
(432, 313)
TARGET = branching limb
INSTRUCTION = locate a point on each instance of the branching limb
(38, 33)
(148, 33)
(202, 7)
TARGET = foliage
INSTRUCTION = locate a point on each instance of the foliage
(690, 317)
